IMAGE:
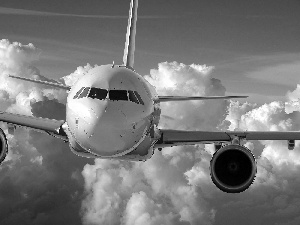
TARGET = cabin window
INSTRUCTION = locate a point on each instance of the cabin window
(118, 95)
(78, 92)
(84, 93)
(98, 93)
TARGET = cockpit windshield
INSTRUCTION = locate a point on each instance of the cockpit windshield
(97, 93)
(139, 97)
(78, 92)
(132, 97)
(84, 93)
(114, 95)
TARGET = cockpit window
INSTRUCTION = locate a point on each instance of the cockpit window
(139, 97)
(84, 93)
(132, 97)
(78, 92)
(118, 95)
(114, 95)
(98, 93)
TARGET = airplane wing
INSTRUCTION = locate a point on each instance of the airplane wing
(43, 82)
(179, 137)
(50, 126)
(185, 98)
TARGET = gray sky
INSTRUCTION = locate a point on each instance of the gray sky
(249, 47)
(241, 39)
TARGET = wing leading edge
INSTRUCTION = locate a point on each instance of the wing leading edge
(57, 85)
(49, 126)
(179, 137)
(186, 98)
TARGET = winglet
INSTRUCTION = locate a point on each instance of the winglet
(128, 58)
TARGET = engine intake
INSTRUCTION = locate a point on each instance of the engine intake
(3, 146)
(233, 168)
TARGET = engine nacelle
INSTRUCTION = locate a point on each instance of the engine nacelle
(3, 146)
(233, 168)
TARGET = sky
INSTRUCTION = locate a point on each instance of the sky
(183, 48)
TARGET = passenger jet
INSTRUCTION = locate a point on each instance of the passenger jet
(112, 112)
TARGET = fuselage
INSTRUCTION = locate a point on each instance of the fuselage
(111, 112)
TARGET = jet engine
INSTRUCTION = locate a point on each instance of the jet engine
(3, 146)
(233, 168)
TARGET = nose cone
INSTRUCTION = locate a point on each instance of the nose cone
(80, 118)
(114, 131)
(107, 128)
(110, 126)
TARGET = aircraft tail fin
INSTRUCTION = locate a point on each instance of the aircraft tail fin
(128, 58)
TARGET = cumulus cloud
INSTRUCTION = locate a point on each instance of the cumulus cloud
(36, 183)
(293, 103)
(42, 182)
(174, 186)
(77, 74)
(18, 59)
(180, 79)
(277, 166)
(167, 188)
(154, 192)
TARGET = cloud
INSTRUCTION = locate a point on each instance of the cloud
(179, 79)
(42, 182)
(37, 186)
(174, 186)
(142, 210)
(47, 108)
(26, 12)
(283, 74)
(277, 168)
(166, 189)
(265, 78)
(154, 192)
(293, 103)
(77, 74)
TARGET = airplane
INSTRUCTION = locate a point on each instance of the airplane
(112, 112)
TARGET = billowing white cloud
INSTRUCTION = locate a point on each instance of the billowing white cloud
(277, 166)
(18, 59)
(42, 182)
(235, 112)
(189, 80)
(174, 186)
(77, 74)
(166, 189)
(293, 103)
(141, 210)
(35, 180)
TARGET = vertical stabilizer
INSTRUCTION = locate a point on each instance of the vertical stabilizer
(128, 58)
